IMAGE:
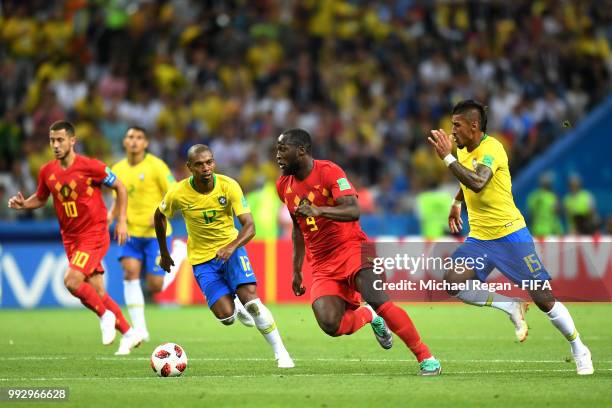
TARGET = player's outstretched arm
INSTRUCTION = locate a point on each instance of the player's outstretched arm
(18, 202)
(474, 180)
(299, 252)
(346, 210)
(120, 209)
(161, 224)
(247, 232)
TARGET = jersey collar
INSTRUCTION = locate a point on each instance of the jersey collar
(192, 183)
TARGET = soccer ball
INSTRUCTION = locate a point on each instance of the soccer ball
(169, 360)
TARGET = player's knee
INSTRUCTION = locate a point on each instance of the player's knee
(71, 283)
(155, 286)
(225, 315)
(329, 325)
(227, 320)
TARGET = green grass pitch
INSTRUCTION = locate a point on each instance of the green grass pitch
(232, 366)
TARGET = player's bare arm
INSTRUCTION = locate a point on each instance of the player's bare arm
(18, 202)
(298, 258)
(112, 213)
(346, 210)
(247, 232)
(474, 180)
(455, 223)
(121, 234)
(161, 224)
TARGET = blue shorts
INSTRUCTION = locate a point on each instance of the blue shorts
(217, 278)
(514, 255)
(147, 251)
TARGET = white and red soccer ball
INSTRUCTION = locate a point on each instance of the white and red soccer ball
(169, 360)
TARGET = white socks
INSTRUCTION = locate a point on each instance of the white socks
(239, 307)
(134, 299)
(560, 318)
(483, 297)
(265, 324)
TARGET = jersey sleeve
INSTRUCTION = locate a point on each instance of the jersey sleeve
(493, 156)
(101, 173)
(335, 179)
(42, 191)
(236, 197)
(167, 205)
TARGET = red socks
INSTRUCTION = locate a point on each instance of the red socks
(400, 323)
(121, 324)
(90, 299)
(353, 320)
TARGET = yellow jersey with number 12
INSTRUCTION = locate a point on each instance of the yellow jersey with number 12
(146, 182)
(491, 212)
(209, 217)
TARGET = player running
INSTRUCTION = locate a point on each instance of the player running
(323, 206)
(215, 248)
(147, 179)
(498, 233)
(75, 183)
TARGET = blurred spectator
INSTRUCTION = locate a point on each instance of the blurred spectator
(432, 207)
(368, 80)
(543, 209)
(580, 208)
(265, 207)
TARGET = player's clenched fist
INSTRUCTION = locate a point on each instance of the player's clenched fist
(166, 262)
(225, 253)
(298, 288)
(307, 210)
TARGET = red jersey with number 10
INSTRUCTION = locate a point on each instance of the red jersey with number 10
(322, 236)
(77, 196)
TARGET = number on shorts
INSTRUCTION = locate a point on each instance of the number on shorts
(533, 263)
(71, 209)
(313, 222)
(80, 258)
(246, 265)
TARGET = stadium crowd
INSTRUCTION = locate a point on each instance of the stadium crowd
(368, 79)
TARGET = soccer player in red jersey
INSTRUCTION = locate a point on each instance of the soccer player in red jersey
(75, 183)
(323, 206)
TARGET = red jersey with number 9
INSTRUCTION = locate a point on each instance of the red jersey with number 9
(322, 236)
(77, 196)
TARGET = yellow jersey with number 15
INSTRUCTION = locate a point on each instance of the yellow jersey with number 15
(491, 212)
(209, 217)
(146, 183)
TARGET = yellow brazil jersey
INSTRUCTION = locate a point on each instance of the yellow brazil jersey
(208, 217)
(491, 212)
(147, 182)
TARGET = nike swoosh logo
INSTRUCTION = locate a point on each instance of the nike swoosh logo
(248, 275)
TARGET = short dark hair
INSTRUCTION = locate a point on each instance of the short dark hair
(138, 128)
(63, 125)
(299, 137)
(195, 149)
(470, 105)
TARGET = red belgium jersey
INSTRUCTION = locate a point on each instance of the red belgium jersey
(77, 196)
(322, 236)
